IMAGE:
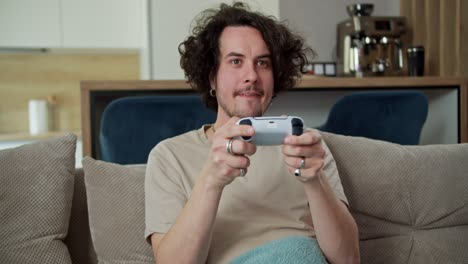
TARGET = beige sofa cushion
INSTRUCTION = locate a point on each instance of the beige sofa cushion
(116, 207)
(410, 202)
(36, 188)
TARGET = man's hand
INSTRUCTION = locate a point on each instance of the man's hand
(222, 167)
(334, 226)
(304, 155)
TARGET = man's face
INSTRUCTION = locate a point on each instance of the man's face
(244, 81)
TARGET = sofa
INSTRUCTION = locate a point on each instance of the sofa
(410, 203)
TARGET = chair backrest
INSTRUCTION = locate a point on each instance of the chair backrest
(394, 116)
(132, 126)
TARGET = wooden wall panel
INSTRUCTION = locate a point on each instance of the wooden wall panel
(448, 38)
(463, 37)
(432, 43)
(405, 11)
(419, 25)
(37, 76)
(441, 27)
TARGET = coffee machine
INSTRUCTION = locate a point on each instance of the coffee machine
(368, 45)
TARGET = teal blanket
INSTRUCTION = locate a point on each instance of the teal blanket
(289, 250)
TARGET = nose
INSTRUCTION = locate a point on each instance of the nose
(251, 75)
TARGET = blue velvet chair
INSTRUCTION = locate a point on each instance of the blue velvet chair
(394, 116)
(132, 126)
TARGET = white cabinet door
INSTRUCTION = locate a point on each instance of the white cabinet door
(103, 23)
(30, 23)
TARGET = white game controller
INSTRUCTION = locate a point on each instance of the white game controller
(271, 130)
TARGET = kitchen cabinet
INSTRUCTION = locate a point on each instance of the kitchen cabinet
(73, 24)
(30, 23)
(103, 23)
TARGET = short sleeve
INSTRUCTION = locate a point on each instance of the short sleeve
(331, 172)
(164, 195)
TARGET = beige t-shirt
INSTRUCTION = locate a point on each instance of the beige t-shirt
(268, 203)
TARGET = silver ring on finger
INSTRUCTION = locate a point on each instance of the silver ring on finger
(242, 172)
(297, 172)
(229, 146)
(302, 163)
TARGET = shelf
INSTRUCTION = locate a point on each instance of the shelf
(24, 136)
(96, 95)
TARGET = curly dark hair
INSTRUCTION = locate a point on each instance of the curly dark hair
(200, 51)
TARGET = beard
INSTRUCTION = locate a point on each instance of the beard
(253, 110)
(258, 111)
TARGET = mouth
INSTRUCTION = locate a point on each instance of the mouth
(250, 93)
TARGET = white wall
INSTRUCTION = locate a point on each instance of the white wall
(317, 20)
(170, 25)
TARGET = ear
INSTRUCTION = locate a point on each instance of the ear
(212, 82)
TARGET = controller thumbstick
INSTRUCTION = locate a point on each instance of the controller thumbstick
(297, 126)
(245, 122)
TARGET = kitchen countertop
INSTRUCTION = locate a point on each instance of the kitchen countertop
(25, 136)
(311, 81)
(307, 81)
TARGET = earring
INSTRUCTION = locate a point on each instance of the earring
(212, 92)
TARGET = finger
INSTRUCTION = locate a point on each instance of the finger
(231, 161)
(296, 163)
(231, 129)
(240, 147)
(312, 166)
(311, 151)
(309, 137)
(293, 162)
(239, 162)
(301, 151)
(233, 120)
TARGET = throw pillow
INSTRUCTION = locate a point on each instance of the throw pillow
(410, 202)
(116, 207)
(35, 200)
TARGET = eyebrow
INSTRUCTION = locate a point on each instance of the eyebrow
(235, 54)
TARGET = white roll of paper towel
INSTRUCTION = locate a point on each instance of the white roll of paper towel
(38, 117)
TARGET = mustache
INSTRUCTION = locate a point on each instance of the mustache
(250, 89)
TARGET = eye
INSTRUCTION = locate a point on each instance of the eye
(263, 63)
(235, 61)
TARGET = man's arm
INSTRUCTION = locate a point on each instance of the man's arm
(189, 238)
(335, 228)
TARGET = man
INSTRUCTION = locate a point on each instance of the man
(210, 198)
